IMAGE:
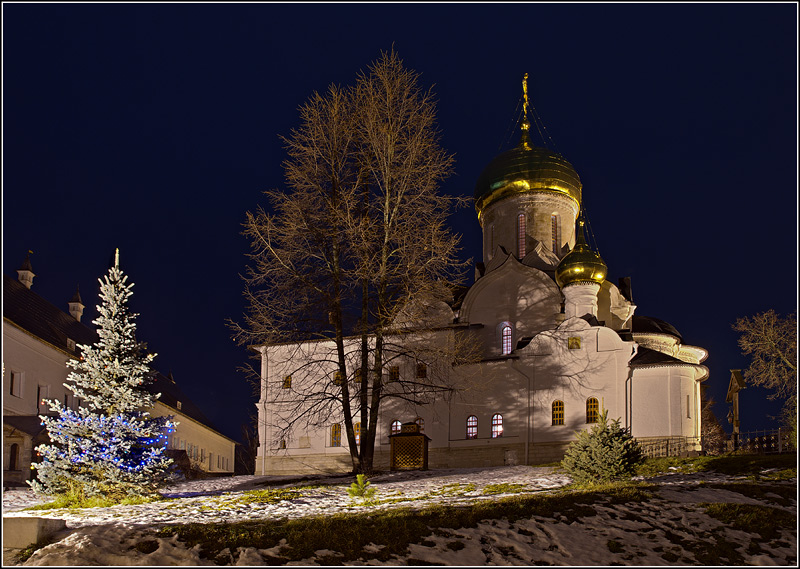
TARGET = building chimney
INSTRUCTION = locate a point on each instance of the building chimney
(76, 305)
(25, 272)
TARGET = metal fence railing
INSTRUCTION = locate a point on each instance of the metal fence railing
(774, 441)
(668, 446)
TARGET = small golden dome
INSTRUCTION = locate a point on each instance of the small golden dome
(581, 264)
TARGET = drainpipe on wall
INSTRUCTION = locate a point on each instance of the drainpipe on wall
(629, 393)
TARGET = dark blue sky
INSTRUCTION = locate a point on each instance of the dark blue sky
(154, 128)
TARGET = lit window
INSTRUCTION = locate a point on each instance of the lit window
(283, 443)
(337, 379)
(554, 232)
(472, 427)
(336, 435)
(421, 423)
(396, 427)
(357, 430)
(574, 343)
(521, 231)
(287, 382)
(505, 338)
(422, 371)
(558, 412)
(394, 373)
(357, 376)
(592, 410)
(180, 405)
(497, 426)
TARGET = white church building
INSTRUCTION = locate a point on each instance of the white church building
(560, 344)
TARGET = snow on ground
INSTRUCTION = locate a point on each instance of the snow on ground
(642, 533)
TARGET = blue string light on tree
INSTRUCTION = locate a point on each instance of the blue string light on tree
(109, 444)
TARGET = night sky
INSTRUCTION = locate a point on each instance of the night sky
(154, 128)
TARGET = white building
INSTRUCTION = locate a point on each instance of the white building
(559, 343)
(38, 340)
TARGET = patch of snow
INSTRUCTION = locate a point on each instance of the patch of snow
(636, 533)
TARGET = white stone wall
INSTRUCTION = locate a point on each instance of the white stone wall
(215, 452)
(39, 365)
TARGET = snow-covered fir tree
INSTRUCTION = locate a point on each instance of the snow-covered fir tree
(109, 446)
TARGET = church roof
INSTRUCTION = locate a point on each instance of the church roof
(647, 357)
(650, 325)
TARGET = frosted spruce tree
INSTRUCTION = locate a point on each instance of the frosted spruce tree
(109, 446)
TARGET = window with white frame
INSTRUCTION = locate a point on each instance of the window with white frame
(396, 427)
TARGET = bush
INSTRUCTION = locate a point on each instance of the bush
(607, 452)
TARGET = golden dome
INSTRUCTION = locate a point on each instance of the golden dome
(526, 169)
(581, 264)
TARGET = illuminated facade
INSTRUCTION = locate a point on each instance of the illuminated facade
(560, 345)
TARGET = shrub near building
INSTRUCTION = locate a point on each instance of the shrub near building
(607, 452)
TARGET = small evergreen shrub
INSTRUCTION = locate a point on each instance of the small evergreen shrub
(607, 452)
(361, 489)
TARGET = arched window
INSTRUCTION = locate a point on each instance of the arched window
(558, 412)
(396, 427)
(497, 426)
(554, 232)
(287, 382)
(521, 231)
(336, 435)
(422, 371)
(13, 457)
(592, 410)
(357, 429)
(283, 446)
(472, 427)
(505, 339)
(421, 422)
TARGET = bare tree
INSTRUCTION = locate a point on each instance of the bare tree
(357, 253)
(771, 341)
